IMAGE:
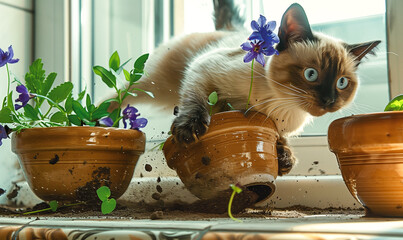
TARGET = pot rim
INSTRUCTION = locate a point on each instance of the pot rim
(369, 115)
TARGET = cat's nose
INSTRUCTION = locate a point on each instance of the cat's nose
(327, 101)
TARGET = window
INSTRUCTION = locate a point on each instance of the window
(85, 33)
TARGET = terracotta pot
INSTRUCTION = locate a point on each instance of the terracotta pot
(71, 163)
(369, 149)
(236, 149)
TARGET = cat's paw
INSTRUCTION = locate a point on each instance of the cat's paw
(286, 159)
(191, 125)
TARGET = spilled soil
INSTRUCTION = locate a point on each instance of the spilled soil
(202, 210)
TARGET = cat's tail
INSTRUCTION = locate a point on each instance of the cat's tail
(227, 15)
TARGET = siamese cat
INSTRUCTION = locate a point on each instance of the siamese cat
(312, 75)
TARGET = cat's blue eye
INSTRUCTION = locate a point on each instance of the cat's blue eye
(342, 83)
(311, 74)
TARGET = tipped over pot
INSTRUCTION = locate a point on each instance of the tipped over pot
(236, 149)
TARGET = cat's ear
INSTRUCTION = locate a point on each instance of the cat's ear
(362, 49)
(294, 27)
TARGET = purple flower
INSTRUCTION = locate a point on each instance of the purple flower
(255, 51)
(263, 31)
(131, 114)
(24, 97)
(261, 41)
(7, 57)
(3, 134)
(107, 121)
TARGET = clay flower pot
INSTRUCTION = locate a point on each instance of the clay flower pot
(236, 149)
(369, 149)
(71, 163)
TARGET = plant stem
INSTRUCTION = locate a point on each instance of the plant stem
(251, 83)
(47, 209)
(230, 205)
(8, 83)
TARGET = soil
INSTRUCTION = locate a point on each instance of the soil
(195, 211)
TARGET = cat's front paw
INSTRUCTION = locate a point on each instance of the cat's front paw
(286, 159)
(190, 125)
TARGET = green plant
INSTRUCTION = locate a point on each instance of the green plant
(396, 104)
(236, 189)
(108, 204)
(44, 105)
(212, 100)
(53, 206)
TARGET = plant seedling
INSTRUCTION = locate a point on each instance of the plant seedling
(212, 100)
(235, 189)
(53, 206)
(108, 204)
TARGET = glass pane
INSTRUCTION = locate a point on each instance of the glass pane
(134, 27)
(353, 22)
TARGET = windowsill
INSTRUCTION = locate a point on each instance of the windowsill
(314, 226)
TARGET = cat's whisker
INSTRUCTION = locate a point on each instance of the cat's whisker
(292, 87)
(298, 88)
(270, 100)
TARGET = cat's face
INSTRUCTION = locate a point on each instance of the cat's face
(315, 71)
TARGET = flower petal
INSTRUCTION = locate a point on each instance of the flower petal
(271, 26)
(17, 106)
(247, 46)
(260, 59)
(254, 25)
(107, 121)
(22, 89)
(262, 20)
(10, 52)
(139, 123)
(256, 36)
(249, 56)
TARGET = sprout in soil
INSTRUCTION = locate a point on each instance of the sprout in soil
(235, 189)
(108, 204)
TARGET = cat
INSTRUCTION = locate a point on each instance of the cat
(312, 75)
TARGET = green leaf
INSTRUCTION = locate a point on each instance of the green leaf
(114, 61)
(81, 94)
(53, 205)
(212, 98)
(101, 111)
(139, 64)
(89, 123)
(144, 91)
(396, 104)
(121, 66)
(58, 117)
(47, 85)
(127, 75)
(74, 119)
(35, 77)
(31, 112)
(10, 104)
(230, 106)
(236, 188)
(108, 206)
(115, 115)
(5, 115)
(88, 102)
(68, 105)
(103, 193)
(107, 77)
(61, 92)
(80, 111)
(134, 77)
